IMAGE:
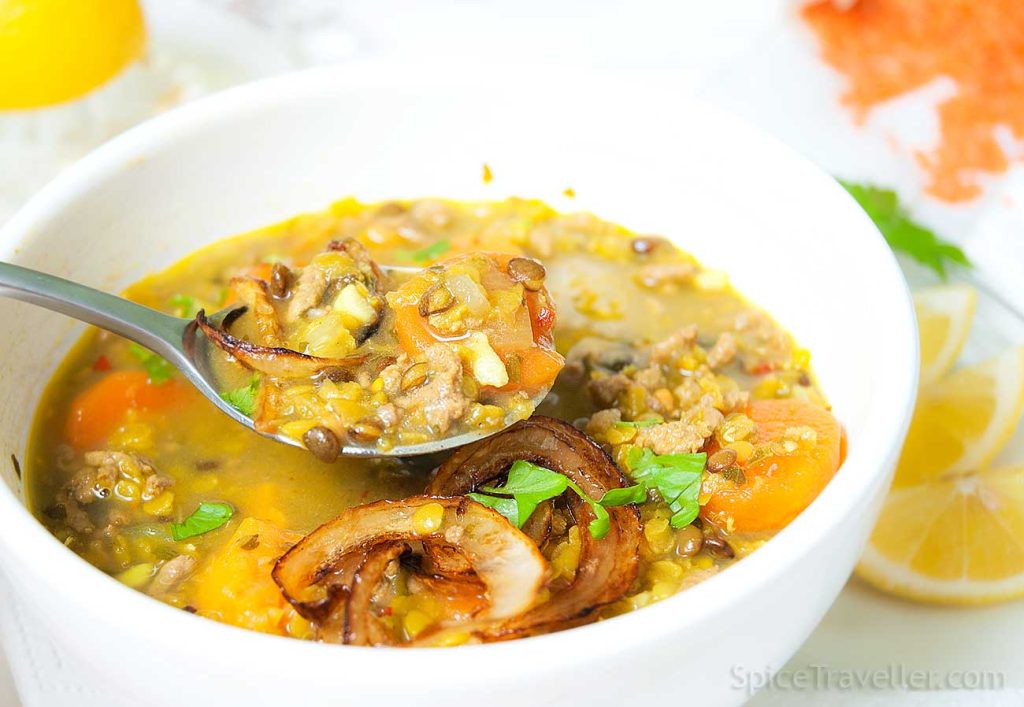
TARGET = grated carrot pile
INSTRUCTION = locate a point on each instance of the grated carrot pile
(888, 47)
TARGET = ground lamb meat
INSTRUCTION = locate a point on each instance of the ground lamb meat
(602, 421)
(308, 291)
(74, 515)
(660, 274)
(604, 391)
(104, 468)
(735, 400)
(651, 378)
(684, 436)
(763, 343)
(679, 343)
(155, 484)
(723, 352)
(388, 415)
(439, 398)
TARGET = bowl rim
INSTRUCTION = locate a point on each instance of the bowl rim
(897, 386)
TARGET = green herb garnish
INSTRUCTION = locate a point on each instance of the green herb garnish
(528, 485)
(158, 369)
(243, 399)
(423, 255)
(637, 423)
(185, 306)
(623, 497)
(504, 505)
(676, 478)
(208, 516)
(902, 233)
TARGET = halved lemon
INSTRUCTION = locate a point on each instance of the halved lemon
(952, 531)
(944, 316)
(961, 422)
(55, 50)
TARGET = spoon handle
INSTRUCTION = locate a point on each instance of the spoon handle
(155, 330)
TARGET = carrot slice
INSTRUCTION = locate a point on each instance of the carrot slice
(413, 332)
(538, 368)
(778, 485)
(99, 410)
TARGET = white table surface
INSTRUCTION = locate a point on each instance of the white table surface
(754, 59)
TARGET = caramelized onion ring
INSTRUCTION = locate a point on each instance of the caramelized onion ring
(504, 559)
(254, 295)
(361, 626)
(273, 361)
(607, 567)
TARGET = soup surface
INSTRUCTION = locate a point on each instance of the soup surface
(683, 431)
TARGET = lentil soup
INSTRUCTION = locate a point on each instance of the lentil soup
(683, 431)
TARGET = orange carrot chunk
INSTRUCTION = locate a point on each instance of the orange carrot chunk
(99, 410)
(797, 450)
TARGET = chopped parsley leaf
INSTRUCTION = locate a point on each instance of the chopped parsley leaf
(185, 306)
(637, 423)
(243, 399)
(208, 516)
(158, 369)
(528, 485)
(676, 478)
(423, 255)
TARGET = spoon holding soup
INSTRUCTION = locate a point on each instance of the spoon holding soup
(346, 357)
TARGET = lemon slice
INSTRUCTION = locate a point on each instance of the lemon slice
(958, 539)
(952, 531)
(944, 316)
(961, 422)
(56, 50)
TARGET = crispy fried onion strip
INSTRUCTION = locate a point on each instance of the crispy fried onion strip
(607, 567)
(273, 361)
(331, 575)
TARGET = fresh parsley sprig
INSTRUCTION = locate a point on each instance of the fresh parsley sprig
(528, 485)
(902, 233)
(676, 478)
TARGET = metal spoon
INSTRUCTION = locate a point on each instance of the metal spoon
(183, 344)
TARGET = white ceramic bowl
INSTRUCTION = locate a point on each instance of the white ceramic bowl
(786, 233)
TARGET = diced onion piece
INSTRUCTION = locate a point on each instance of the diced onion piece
(353, 303)
(485, 365)
(469, 293)
(325, 336)
(512, 333)
(272, 360)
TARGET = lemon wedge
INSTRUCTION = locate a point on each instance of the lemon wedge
(951, 530)
(961, 422)
(944, 316)
(958, 539)
(52, 51)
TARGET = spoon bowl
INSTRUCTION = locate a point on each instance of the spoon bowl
(187, 348)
